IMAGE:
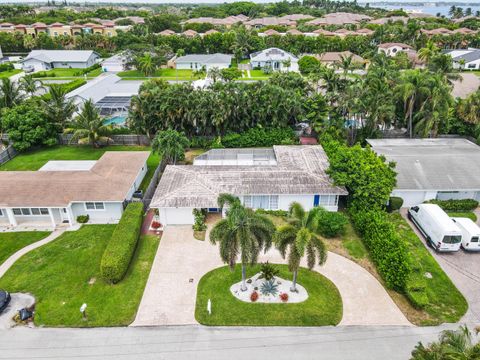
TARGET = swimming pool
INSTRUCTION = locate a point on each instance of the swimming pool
(116, 120)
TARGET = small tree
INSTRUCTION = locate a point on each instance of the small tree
(170, 145)
(214, 74)
(230, 74)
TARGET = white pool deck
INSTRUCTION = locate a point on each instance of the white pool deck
(68, 165)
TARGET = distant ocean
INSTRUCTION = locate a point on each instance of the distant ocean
(434, 10)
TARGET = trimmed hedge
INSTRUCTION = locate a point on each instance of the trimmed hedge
(416, 290)
(70, 86)
(394, 203)
(387, 250)
(259, 137)
(121, 246)
(456, 205)
(331, 224)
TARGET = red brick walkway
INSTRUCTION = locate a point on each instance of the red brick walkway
(146, 223)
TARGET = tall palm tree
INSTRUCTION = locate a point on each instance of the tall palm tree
(10, 94)
(241, 45)
(301, 237)
(146, 64)
(214, 73)
(88, 127)
(346, 63)
(58, 109)
(30, 85)
(428, 52)
(452, 345)
(242, 233)
(170, 145)
(469, 108)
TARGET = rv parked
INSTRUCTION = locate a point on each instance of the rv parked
(470, 233)
(438, 228)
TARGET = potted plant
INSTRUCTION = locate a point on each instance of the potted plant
(199, 226)
(156, 225)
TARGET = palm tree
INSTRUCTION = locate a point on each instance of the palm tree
(214, 73)
(452, 345)
(58, 110)
(10, 94)
(170, 145)
(346, 63)
(469, 108)
(30, 85)
(241, 45)
(88, 127)
(146, 64)
(428, 52)
(287, 63)
(241, 233)
(301, 237)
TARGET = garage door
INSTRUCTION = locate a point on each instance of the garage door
(410, 198)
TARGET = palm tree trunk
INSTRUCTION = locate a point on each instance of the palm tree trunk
(294, 282)
(410, 119)
(244, 278)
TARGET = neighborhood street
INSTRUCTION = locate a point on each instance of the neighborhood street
(188, 342)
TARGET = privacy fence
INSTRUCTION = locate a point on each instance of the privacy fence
(7, 154)
(140, 140)
(148, 195)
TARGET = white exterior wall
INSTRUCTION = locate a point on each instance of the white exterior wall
(3, 217)
(176, 216)
(276, 65)
(284, 201)
(137, 182)
(73, 65)
(472, 65)
(111, 214)
(415, 197)
(36, 64)
(199, 66)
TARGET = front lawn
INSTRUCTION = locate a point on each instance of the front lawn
(65, 273)
(8, 73)
(323, 306)
(466, 214)
(66, 73)
(446, 303)
(11, 242)
(166, 74)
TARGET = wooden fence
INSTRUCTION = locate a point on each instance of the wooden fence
(148, 195)
(131, 140)
(8, 154)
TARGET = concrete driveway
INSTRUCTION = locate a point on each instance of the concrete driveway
(17, 302)
(463, 268)
(181, 261)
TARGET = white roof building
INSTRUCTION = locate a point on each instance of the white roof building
(51, 59)
(206, 61)
(275, 58)
(468, 59)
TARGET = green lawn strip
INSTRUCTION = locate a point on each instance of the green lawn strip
(352, 242)
(446, 303)
(466, 214)
(165, 74)
(323, 306)
(11, 242)
(8, 73)
(58, 275)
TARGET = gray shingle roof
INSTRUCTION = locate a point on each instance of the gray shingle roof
(60, 55)
(272, 54)
(299, 170)
(468, 57)
(432, 164)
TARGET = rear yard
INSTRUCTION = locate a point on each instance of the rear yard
(11, 242)
(65, 273)
(166, 74)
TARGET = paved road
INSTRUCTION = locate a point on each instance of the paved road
(196, 342)
(463, 268)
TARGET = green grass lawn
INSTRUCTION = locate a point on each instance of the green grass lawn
(446, 303)
(11, 242)
(323, 306)
(34, 160)
(466, 214)
(352, 243)
(166, 74)
(67, 73)
(7, 74)
(65, 273)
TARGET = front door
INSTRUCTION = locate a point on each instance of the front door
(64, 215)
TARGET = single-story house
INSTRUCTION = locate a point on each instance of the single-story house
(50, 59)
(115, 63)
(263, 178)
(392, 49)
(62, 190)
(332, 59)
(445, 168)
(468, 59)
(206, 61)
(275, 58)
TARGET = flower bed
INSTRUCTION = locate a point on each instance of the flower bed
(282, 293)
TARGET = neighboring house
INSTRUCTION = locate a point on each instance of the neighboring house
(116, 63)
(227, 22)
(202, 61)
(51, 59)
(274, 58)
(62, 190)
(392, 49)
(339, 19)
(269, 21)
(468, 59)
(263, 178)
(106, 28)
(432, 168)
(333, 59)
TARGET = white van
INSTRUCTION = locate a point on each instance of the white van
(438, 228)
(470, 233)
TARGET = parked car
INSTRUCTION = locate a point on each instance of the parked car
(470, 233)
(439, 229)
(4, 300)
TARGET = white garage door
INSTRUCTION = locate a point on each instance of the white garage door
(410, 198)
(176, 216)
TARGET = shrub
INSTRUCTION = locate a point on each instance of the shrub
(456, 205)
(331, 224)
(387, 250)
(416, 291)
(70, 86)
(259, 137)
(121, 246)
(394, 203)
(268, 271)
(83, 219)
(279, 213)
(254, 296)
(6, 67)
(269, 288)
(199, 220)
(284, 297)
(86, 70)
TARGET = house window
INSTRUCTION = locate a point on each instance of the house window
(1, 212)
(328, 200)
(94, 206)
(267, 202)
(472, 66)
(30, 211)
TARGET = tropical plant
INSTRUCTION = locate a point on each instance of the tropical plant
(268, 271)
(88, 127)
(10, 94)
(30, 85)
(214, 73)
(269, 288)
(300, 237)
(58, 109)
(428, 52)
(170, 145)
(469, 108)
(241, 233)
(452, 345)
(146, 64)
